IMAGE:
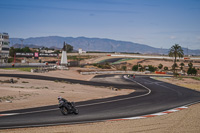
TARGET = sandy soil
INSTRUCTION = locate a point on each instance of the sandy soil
(185, 82)
(187, 120)
(72, 73)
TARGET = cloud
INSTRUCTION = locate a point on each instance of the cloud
(198, 38)
(172, 37)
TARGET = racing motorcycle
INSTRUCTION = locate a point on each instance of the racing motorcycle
(68, 108)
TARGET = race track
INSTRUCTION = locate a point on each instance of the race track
(151, 96)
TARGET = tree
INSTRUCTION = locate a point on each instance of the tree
(175, 51)
(160, 66)
(67, 47)
(26, 50)
(135, 68)
(124, 68)
(192, 70)
(190, 65)
(12, 51)
(152, 68)
(182, 65)
(174, 66)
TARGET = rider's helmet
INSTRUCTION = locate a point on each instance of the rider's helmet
(59, 97)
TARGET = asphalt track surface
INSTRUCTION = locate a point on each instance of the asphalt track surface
(151, 96)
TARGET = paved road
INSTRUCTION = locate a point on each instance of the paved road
(151, 96)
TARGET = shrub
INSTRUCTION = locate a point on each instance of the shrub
(165, 68)
(152, 68)
(135, 68)
(124, 68)
(192, 70)
(160, 66)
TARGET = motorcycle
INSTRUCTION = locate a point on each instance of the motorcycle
(68, 108)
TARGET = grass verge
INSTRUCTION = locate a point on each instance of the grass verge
(27, 69)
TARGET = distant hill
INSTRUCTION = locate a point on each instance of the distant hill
(93, 44)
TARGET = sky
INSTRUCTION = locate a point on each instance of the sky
(157, 23)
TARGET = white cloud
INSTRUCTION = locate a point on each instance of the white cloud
(198, 38)
(172, 37)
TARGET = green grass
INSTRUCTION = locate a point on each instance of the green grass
(27, 69)
(79, 57)
(196, 78)
(122, 60)
(117, 62)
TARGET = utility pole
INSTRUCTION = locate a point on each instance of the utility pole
(22, 42)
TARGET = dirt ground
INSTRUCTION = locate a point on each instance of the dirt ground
(185, 82)
(187, 120)
(19, 95)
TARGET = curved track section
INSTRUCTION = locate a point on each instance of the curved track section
(151, 96)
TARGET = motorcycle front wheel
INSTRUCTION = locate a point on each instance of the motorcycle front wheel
(76, 111)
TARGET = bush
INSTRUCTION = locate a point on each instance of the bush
(165, 68)
(103, 66)
(135, 68)
(192, 70)
(152, 68)
(124, 68)
(10, 60)
(160, 66)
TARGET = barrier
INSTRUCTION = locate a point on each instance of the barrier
(156, 72)
(112, 72)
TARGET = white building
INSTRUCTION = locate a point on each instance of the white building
(80, 51)
(4, 47)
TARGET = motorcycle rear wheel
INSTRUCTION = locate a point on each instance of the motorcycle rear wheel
(64, 110)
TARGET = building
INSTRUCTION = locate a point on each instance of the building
(80, 51)
(4, 47)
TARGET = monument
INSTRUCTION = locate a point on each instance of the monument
(64, 55)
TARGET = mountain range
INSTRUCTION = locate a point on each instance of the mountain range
(92, 44)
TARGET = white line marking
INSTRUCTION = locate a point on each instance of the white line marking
(158, 114)
(183, 107)
(149, 91)
(133, 118)
(172, 110)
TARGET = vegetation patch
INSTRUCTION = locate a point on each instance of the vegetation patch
(79, 57)
(196, 78)
(63, 81)
(25, 82)
(39, 87)
(27, 69)
(103, 66)
(8, 81)
(17, 86)
(7, 98)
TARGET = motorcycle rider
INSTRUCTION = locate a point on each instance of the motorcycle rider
(64, 100)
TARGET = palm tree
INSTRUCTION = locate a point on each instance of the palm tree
(176, 51)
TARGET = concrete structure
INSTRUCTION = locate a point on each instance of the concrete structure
(4, 47)
(80, 51)
(47, 51)
(64, 55)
